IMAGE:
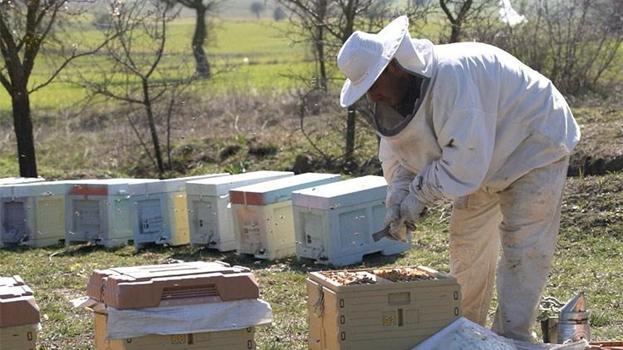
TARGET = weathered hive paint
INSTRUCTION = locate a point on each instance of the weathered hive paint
(334, 223)
(100, 211)
(161, 214)
(262, 214)
(210, 216)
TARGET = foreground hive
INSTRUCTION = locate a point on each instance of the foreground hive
(19, 315)
(379, 309)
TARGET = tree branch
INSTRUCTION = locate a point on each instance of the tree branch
(447, 11)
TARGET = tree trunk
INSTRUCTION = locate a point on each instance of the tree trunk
(350, 135)
(152, 128)
(321, 11)
(455, 36)
(23, 132)
(203, 67)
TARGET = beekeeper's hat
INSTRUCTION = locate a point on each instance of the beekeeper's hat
(364, 56)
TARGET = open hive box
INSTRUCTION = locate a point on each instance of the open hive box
(19, 315)
(190, 284)
(391, 308)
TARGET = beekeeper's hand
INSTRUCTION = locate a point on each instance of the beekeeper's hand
(397, 191)
(411, 210)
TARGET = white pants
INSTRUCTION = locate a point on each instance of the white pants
(525, 218)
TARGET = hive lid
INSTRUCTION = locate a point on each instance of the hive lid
(177, 184)
(19, 180)
(344, 193)
(278, 190)
(17, 303)
(171, 284)
(104, 187)
(40, 189)
(219, 186)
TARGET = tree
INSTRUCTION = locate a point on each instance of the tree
(202, 9)
(136, 77)
(279, 14)
(257, 8)
(26, 29)
(461, 12)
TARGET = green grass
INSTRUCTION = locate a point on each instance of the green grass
(588, 258)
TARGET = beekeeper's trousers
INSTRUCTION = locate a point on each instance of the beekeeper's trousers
(525, 218)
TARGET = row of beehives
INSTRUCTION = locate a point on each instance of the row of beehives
(268, 214)
(211, 305)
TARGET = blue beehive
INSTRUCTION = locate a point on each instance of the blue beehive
(334, 223)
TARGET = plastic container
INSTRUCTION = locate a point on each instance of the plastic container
(210, 216)
(334, 223)
(379, 309)
(33, 214)
(161, 214)
(263, 219)
(100, 211)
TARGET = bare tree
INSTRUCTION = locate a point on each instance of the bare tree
(257, 7)
(137, 77)
(203, 8)
(28, 28)
(461, 12)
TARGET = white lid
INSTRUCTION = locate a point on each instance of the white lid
(218, 186)
(344, 193)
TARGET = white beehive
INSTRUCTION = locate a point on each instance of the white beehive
(161, 215)
(210, 217)
(262, 214)
(334, 223)
(99, 211)
(33, 214)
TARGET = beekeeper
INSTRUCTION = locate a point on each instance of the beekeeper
(470, 123)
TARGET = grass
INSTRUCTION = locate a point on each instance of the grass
(589, 257)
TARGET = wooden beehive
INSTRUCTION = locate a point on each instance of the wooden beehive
(100, 211)
(262, 214)
(33, 214)
(19, 315)
(359, 309)
(242, 339)
(210, 217)
(161, 214)
(334, 223)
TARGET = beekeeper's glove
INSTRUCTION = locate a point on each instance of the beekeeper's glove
(397, 191)
(412, 210)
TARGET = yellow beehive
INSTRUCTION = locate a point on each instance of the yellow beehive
(227, 340)
(360, 309)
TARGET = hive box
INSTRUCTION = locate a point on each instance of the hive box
(334, 223)
(161, 214)
(359, 309)
(172, 284)
(262, 214)
(209, 207)
(100, 211)
(34, 213)
(19, 315)
(241, 339)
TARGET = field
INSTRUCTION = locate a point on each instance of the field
(248, 118)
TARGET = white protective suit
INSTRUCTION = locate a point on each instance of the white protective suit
(494, 136)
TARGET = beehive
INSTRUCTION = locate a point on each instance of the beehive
(182, 284)
(241, 339)
(19, 315)
(262, 214)
(172, 284)
(161, 214)
(360, 309)
(334, 223)
(100, 211)
(210, 216)
(33, 214)
(19, 180)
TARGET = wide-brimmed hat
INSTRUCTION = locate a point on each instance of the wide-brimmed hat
(364, 56)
